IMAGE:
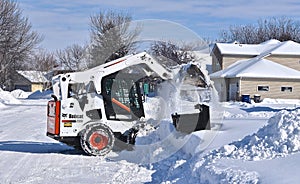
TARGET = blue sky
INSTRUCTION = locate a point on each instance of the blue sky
(65, 22)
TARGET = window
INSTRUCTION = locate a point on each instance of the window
(75, 89)
(122, 97)
(286, 89)
(262, 88)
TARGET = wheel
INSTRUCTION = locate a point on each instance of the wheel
(97, 140)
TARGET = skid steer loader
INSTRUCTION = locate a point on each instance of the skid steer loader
(95, 109)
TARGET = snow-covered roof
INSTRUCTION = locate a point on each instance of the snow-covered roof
(238, 49)
(287, 48)
(272, 46)
(34, 76)
(257, 68)
(272, 41)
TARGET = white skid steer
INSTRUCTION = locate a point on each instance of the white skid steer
(96, 109)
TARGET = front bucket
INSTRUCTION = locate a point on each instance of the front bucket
(189, 123)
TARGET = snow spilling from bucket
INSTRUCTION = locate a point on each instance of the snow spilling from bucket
(159, 140)
(185, 90)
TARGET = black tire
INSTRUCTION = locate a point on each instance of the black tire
(97, 140)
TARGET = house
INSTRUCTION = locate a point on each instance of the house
(270, 70)
(286, 53)
(257, 76)
(30, 81)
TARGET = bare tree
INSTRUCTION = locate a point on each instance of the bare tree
(42, 61)
(111, 36)
(282, 29)
(16, 40)
(173, 54)
(74, 57)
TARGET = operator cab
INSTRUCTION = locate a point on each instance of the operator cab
(123, 97)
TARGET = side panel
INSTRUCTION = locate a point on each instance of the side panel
(53, 117)
(72, 117)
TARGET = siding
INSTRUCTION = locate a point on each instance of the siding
(216, 59)
(35, 87)
(229, 60)
(249, 86)
(289, 61)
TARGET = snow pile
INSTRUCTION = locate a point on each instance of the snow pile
(18, 93)
(41, 94)
(279, 138)
(7, 98)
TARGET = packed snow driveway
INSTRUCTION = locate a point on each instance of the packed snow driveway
(28, 156)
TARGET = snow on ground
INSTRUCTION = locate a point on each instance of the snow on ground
(29, 156)
(256, 143)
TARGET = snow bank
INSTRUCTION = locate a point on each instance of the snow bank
(41, 94)
(7, 98)
(18, 93)
(279, 138)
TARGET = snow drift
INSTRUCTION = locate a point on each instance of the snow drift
(20, 94)
(279, 138)
(7, 98)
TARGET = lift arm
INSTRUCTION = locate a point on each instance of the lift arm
(97, 73)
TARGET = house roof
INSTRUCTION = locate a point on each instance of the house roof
(287, 48)
(34, 76)
(237, 49)
(271, 46)
(257, 68)
(272, 41)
